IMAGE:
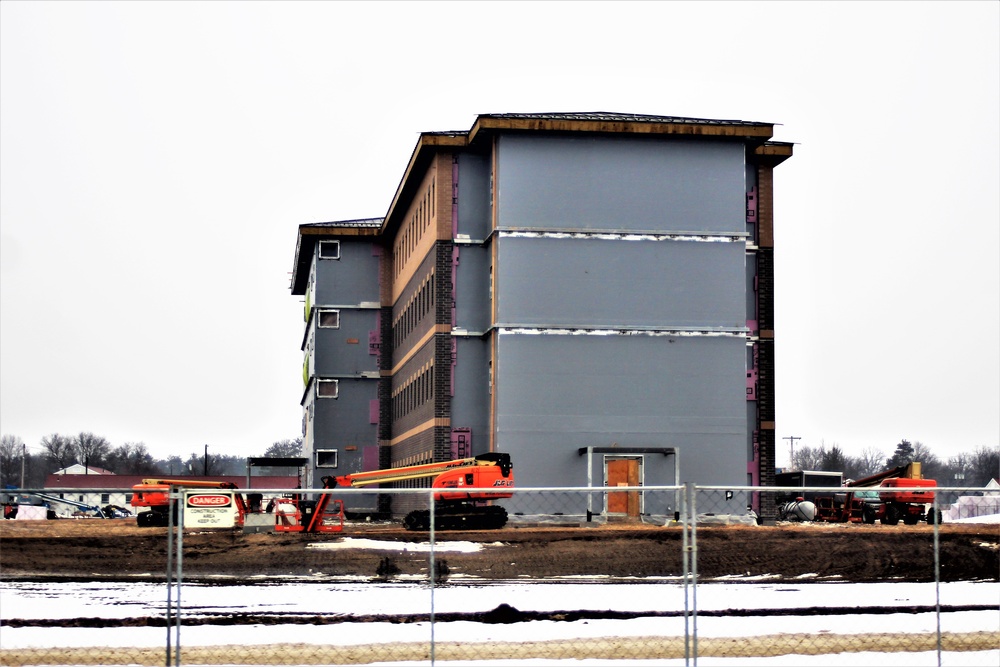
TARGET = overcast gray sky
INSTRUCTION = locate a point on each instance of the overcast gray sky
(156, 158)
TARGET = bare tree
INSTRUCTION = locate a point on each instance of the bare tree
(91, 450)
(930, 465)
(808, 458)
(869, 462)
(132, 458)
(285, 448)
(833, 459)
(59, 451)
(170, 466)
(984, 465)
(12, 453)
(214, 465)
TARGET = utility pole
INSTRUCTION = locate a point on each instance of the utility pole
(24, 453)
(206, 460)
(791, 446)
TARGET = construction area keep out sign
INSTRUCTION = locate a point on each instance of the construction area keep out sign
(209, 509)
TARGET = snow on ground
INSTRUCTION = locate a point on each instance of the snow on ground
(122, 600)
(113, 600)
(987, 518)
(389, 545)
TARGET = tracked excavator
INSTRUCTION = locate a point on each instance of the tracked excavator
(462, 490)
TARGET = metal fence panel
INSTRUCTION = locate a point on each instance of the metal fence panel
(575, 573)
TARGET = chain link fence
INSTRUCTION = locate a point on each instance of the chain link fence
(672, 575)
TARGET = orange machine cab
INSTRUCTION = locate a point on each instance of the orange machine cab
(149, 495)
(474, 477)
(908, 496)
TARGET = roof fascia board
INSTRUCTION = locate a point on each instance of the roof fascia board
(304, 252)
(486, 125)
(773, 153)
(427, 146)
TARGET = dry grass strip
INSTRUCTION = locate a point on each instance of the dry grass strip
(608, 648)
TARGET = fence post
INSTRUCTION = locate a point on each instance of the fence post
(181, 501)
(170, 570)
(937, 574)
(175, 506)
(690, 566)
(433, 568)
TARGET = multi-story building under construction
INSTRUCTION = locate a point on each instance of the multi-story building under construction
(590, 292)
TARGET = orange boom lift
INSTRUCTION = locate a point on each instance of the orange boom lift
(462, 490)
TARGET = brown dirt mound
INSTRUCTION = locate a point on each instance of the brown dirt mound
(118, 549)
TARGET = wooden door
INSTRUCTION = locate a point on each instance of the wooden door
(623, 472)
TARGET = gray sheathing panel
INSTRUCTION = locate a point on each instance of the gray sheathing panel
(345, 420)
(352, 279)
(598, 183)
(342, 422)
(473, 196)
(657, 469)
(565, 282)
(345, 351)
(471, 400)
(557, 393)
(471, 291)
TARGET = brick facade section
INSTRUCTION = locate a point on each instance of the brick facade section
(766, 411)
(765, 206)
(765, 289)
(768, 511)
(444, 350)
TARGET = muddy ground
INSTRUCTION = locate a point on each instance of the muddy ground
(113, 549)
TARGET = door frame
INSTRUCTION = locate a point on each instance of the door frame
(641, 475)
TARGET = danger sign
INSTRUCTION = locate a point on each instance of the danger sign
(216, 509)
(214, 500)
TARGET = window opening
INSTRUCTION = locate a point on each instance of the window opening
(329, 249)
(327, 388)
(326, 458)
(329, 319)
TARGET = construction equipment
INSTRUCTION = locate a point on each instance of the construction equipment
(155, 494)
(29, 498)
(456, 507)
(94, 510)
(875, 500)
(293, 514)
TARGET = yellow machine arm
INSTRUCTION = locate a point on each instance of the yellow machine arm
(425, 470)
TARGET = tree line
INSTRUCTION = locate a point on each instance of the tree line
(974, 469)
(24, 467)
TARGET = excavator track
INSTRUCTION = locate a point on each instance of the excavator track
(460, 517)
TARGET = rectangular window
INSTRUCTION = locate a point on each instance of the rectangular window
(327, 388)
(329, 249)
(326, 458)
(105, 498)
(329, 319)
